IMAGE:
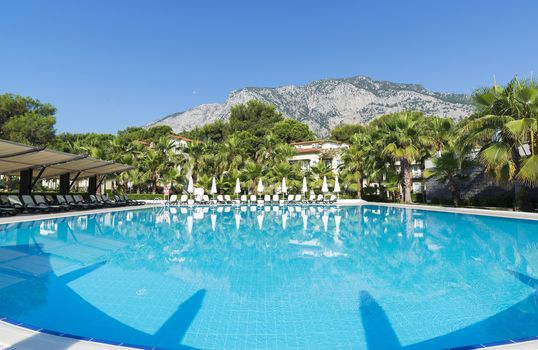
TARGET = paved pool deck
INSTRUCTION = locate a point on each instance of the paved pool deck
(14, 337)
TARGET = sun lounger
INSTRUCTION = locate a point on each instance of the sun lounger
(331, 199)
(88, 202)
(40, 200)
(30, 205)
(220, 199)
(320, 199)
(93, 200)
(62, 201)
(79, 199)
(244, 199)
(253, 199)
(134, 201)
(290, 199)
(267, 199)
(106, 201)
(275, 199)
(7, 206)
(8, 211)
(183, 199)
(298, 199)
(71, 200)
(120, 201)
(228, 199)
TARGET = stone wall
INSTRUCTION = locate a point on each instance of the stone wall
(480, 189)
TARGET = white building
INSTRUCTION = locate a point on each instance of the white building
(309, 153)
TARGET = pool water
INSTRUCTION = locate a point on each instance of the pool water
(363, 277)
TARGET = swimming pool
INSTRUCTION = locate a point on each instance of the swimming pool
(358, 277)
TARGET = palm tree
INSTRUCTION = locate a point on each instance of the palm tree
(441, 131)
(265, 152)
(505, 129)
(402, 137)
(251, 173)
(451, 168)
(158, 160)
(319, 171)
(356, 159)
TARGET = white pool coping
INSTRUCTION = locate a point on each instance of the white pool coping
(65, 214)
(18, 338)
(472, 211)
(13, 337)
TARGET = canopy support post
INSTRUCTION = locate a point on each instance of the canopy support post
(25, 184)
(64, 184)
(92, 185)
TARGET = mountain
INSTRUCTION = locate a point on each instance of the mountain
(323, 104)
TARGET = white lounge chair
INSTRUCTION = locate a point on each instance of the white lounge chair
(253, 199)
(312, 198)
(244, 199)
(331, 199)
(228, 199)
(198, 199)
(220, 199)
(276, 199)
(320, 199)
(267, 199)
(298, 199)
(172, 199)
(290, 198)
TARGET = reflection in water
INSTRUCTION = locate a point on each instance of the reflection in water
(319, 277)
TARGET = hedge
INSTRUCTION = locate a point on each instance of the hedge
(144, 196)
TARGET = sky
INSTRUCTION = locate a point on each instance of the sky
(109, 64)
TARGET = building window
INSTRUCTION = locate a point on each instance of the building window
(416, 171)
(328, 163)
(417, 187)
(305, 165)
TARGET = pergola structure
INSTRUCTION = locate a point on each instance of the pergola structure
(34, 163)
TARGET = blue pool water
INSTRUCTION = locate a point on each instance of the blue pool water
(275, 277)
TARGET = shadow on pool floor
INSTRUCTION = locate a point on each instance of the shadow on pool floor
(381, 336)
(51, 291)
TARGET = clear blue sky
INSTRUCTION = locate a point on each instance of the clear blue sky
(110, 64)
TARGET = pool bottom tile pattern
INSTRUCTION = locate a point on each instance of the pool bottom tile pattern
(274, 277)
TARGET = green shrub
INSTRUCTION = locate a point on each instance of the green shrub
(144, 196)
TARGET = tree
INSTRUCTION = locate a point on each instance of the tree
(441, 131)
(506, 129)
(217, 131)
(30, 128)
(158, 161)
(450, 168)
(291, 130)
(255, 117)
(14, 105)
(26, 120)
(344, 132)
(355, 159)
(402, 137)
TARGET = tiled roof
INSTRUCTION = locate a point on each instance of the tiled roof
(308, 150)
(179, 137)
(314, 141)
